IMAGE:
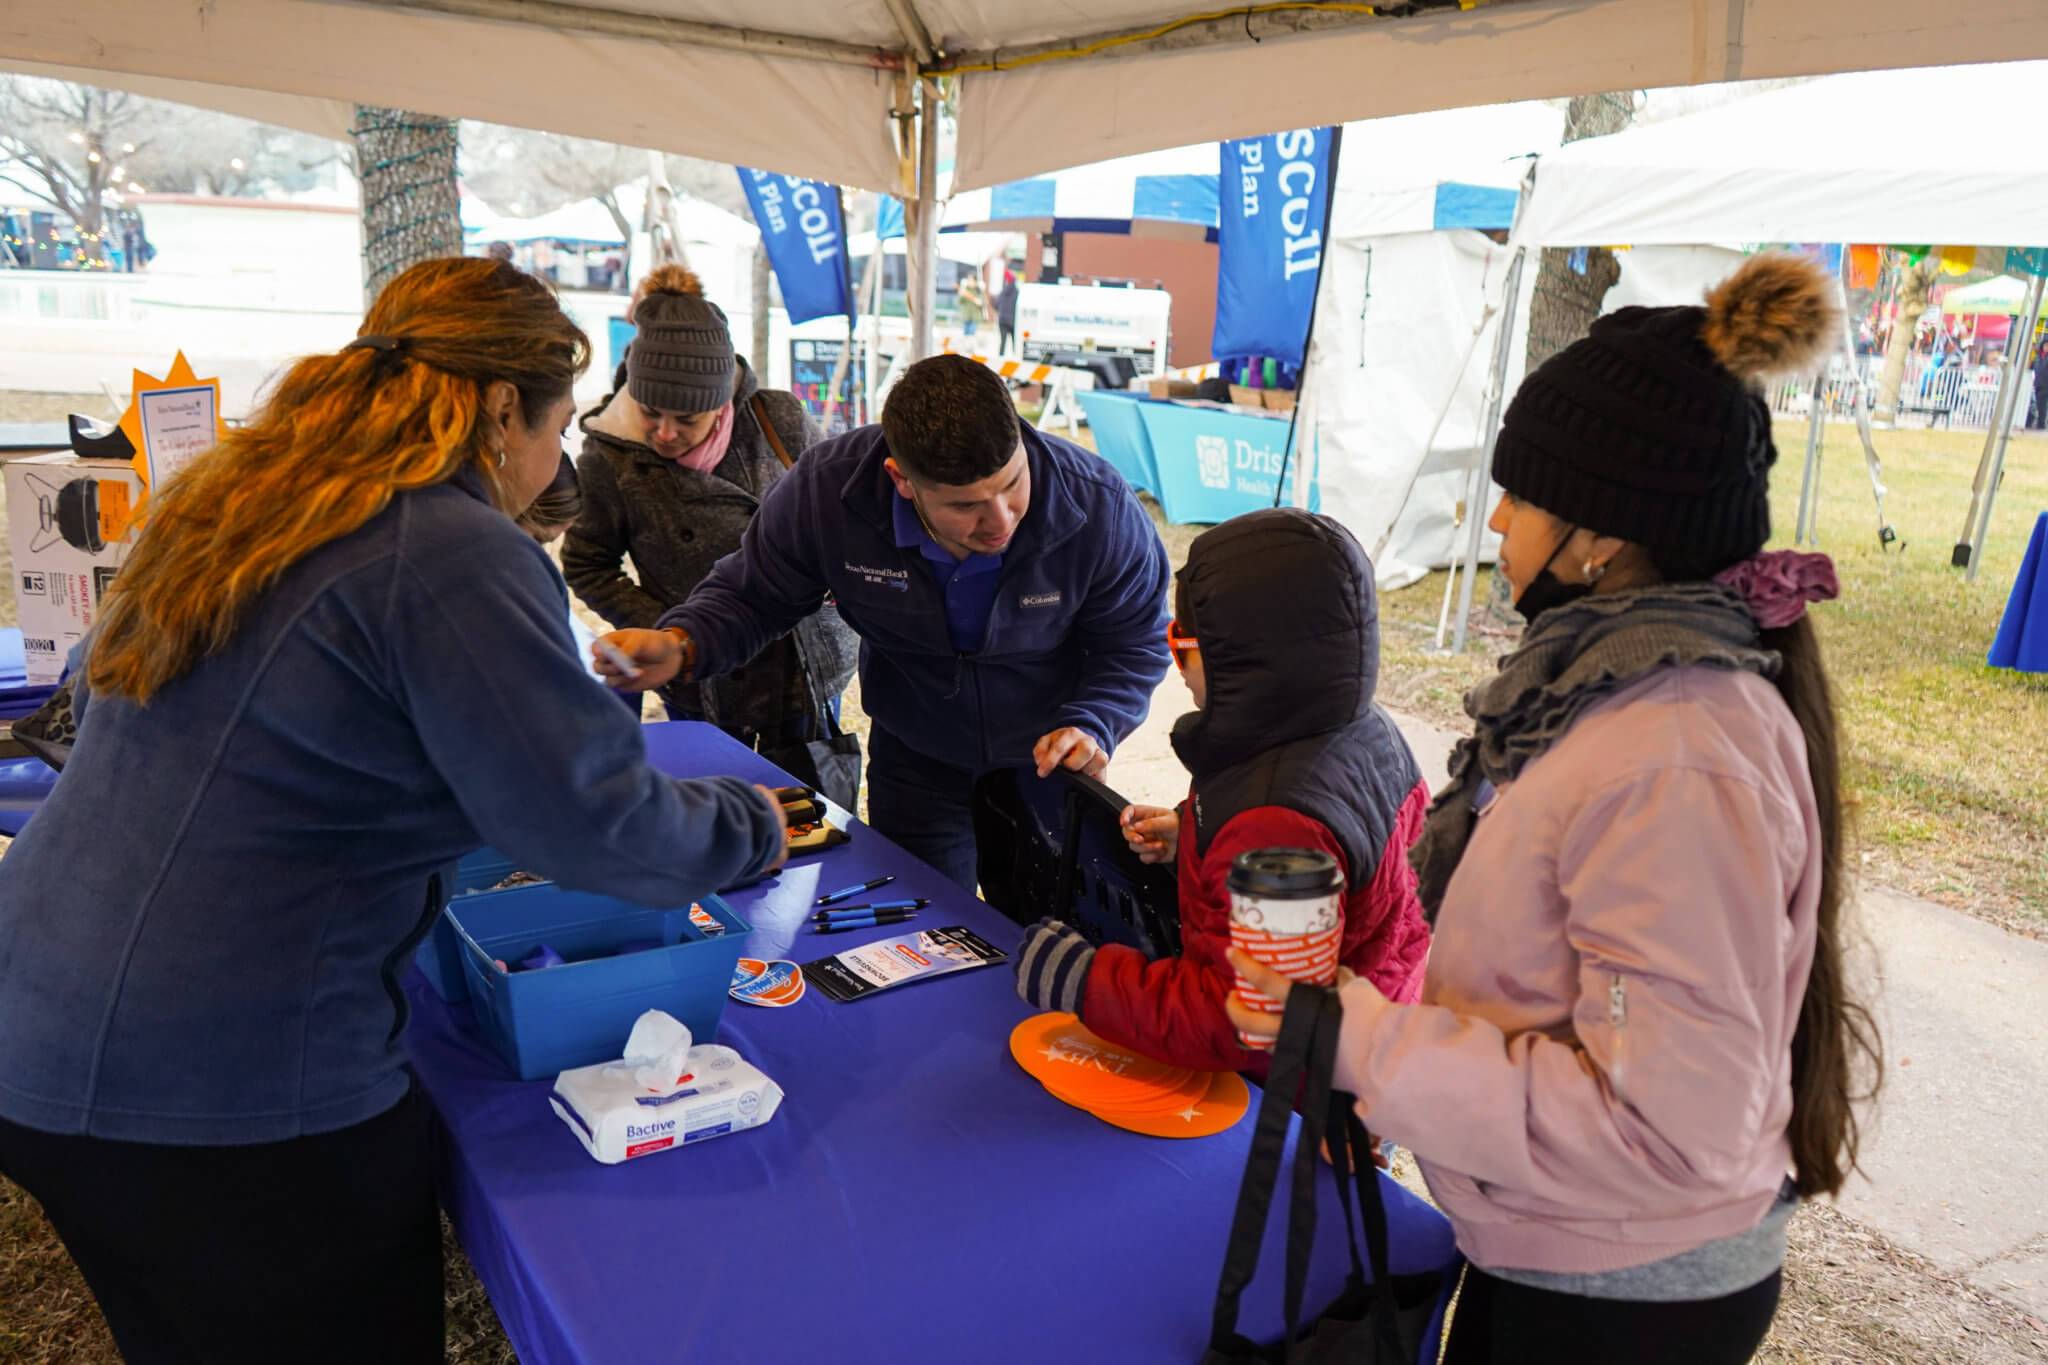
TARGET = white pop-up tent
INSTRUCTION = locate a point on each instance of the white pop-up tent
(1804, 164)
(1941, 156)
(847, 90)
(1407, 322)
(807, 86)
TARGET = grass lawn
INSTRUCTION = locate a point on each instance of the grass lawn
(1945, 755)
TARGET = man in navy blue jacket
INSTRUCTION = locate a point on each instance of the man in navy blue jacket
(1009, 592)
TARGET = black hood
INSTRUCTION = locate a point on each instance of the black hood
(1285, 613)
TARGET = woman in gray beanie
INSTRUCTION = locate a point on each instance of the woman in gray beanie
(673, 467)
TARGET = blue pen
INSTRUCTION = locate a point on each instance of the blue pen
(849, 911)
(844, 892)
(837, 926)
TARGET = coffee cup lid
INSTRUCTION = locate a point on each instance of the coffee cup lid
(1289, 872)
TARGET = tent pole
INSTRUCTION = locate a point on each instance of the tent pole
(1496, 395)
(925, 277)
(1992, 467)
(839, 367)
(874, 339)
(1803, 529)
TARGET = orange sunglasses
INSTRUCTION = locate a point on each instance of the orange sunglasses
(1181, 645)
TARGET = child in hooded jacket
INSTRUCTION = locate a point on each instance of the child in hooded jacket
(1277, 637)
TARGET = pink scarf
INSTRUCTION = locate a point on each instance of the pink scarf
(706, 457)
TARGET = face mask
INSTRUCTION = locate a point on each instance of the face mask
(1546, 589)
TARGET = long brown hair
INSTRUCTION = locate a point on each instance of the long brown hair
(1837, 1056)
(339, 436)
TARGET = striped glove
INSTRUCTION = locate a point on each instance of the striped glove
(1052, 966)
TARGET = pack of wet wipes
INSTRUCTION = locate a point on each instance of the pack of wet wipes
(664, 1092)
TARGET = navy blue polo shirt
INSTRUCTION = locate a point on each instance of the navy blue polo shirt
(969, 584)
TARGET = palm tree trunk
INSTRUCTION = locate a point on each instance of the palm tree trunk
(412, 209)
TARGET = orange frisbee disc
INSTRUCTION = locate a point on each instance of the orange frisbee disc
(1061, 1054)
(1218, 1110)
(1164, 1100)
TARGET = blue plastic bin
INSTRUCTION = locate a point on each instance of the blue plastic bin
(553, 1018)
(440, 957)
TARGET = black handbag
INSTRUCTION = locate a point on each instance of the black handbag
(1376, 1321)
(829, 763)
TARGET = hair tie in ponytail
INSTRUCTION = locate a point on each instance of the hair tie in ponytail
(374, 342)
(1777, 585)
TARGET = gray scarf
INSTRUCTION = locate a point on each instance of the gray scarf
(1570, 658)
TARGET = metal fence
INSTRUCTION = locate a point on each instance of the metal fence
(1951, 395)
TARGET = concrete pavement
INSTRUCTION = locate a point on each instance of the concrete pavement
(1956, 1150)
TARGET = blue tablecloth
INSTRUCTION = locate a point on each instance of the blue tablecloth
(1204, 464)
(917, 1198)
(1120, 438)
(2022, 640)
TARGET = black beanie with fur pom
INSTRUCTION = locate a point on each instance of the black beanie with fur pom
(1654, 428)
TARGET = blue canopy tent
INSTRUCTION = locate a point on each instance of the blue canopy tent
(1159, 194)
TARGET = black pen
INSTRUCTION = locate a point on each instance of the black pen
(848, 911)
(844, 892)
(840, 926)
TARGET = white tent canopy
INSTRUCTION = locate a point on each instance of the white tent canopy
(808, 86)
(587, 220)
(964, 248)
(1406, 325)
(1934, 156)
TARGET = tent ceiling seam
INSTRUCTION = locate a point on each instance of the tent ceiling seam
(621, 23)
(1240, 25)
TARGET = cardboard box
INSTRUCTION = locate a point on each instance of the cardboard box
(1173, 388)
(1247, 398)
(70, 523)
(1279, 400)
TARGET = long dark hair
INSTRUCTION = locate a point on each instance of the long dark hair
(1837, 1056)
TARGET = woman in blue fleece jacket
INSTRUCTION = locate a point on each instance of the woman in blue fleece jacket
(331, 666)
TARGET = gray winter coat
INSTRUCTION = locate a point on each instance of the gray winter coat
(676, 523)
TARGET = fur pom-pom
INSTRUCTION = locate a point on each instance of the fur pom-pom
(1776, 315)
(672, 279)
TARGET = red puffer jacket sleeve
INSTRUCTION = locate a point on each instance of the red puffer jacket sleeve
(1386, 938)
(1172, 1009)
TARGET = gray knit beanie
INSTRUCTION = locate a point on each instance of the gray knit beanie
(681, 359)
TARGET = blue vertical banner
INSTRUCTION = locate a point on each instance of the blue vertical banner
(1274, 200)
(806, 240)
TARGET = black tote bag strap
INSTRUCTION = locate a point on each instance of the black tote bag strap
(1365, 1177)
(1342, 1154)
(1262, 1168)
(1308, 1144)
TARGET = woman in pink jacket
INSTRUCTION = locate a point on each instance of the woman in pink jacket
(1635, 1050)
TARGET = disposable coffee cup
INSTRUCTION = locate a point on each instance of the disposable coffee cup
(1286, 910)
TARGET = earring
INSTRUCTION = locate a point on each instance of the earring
(1593, 572)
(501, 459)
